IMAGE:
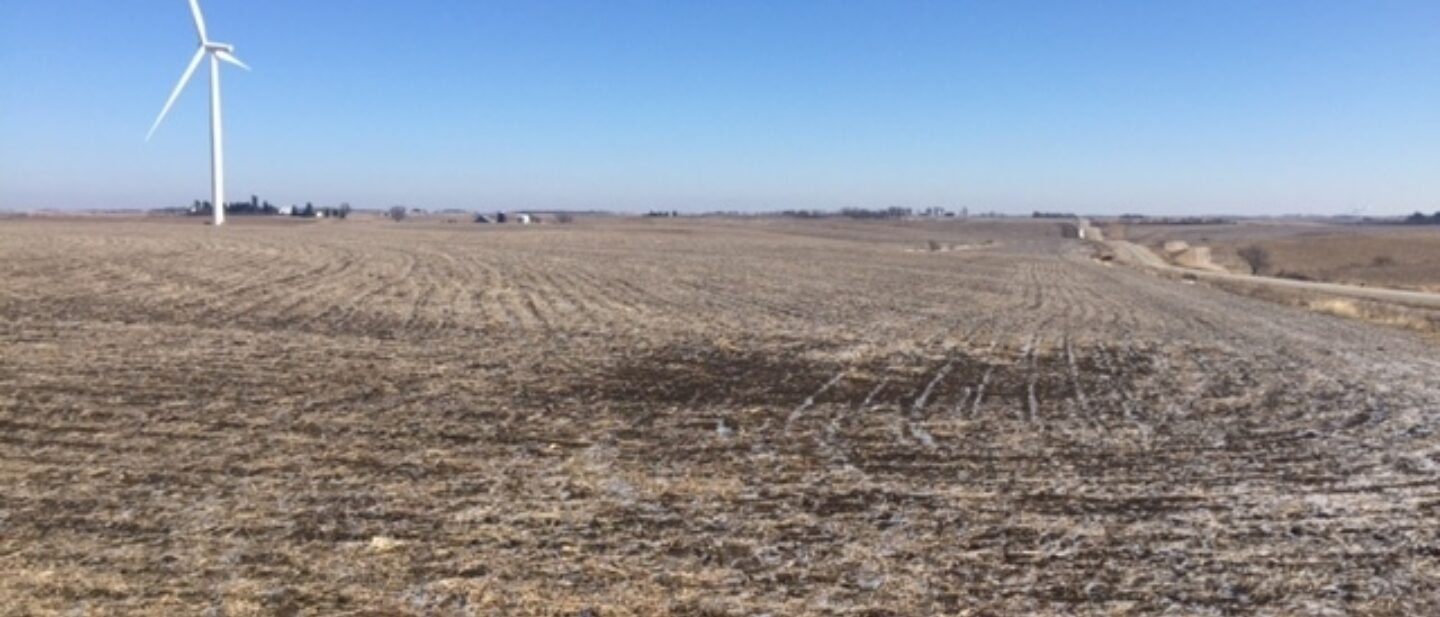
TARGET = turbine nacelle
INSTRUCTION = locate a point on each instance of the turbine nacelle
(225, 52)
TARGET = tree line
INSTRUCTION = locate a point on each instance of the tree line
(1420, 218)
(256, 207)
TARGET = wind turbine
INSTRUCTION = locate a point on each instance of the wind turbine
(218, 52)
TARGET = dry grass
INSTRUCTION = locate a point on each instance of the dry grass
(1382, 256)
(1406, 318)
(1413, 319)
(689, 418)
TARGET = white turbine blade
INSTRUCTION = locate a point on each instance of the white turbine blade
(199, 21)
(229, 57)
(184, 79)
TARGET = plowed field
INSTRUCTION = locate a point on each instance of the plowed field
(689, 418)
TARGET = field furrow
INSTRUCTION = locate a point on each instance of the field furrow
(689, 417)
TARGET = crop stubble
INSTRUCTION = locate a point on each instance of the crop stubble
(705, 417)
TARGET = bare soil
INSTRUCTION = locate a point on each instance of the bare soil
(689, 418)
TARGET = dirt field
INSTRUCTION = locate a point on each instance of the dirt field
(689, 418)
(1385, 256)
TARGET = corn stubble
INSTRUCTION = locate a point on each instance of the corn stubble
(689, 418)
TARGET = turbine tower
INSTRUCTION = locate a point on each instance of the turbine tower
(217, 52)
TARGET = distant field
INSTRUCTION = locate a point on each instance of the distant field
(682, 417)
(1389, 256)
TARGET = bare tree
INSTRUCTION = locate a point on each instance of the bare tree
(397, 213)
(1256, 257)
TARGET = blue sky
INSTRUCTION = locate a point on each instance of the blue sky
(1259, 107)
